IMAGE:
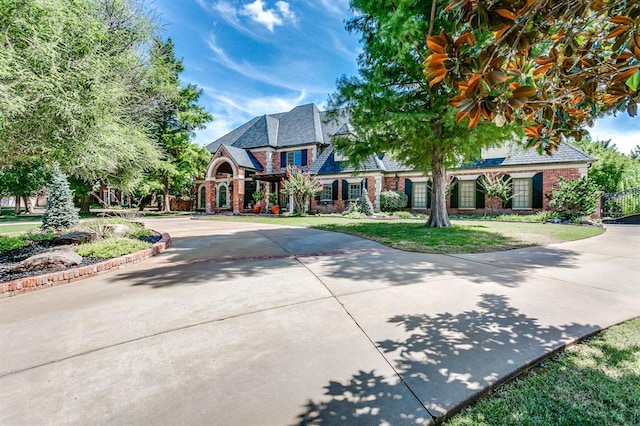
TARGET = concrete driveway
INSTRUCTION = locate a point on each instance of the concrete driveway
(250, 324)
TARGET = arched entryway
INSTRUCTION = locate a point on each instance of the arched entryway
(222, 179)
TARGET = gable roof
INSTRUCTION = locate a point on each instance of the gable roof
(243, 158)
(303, 125)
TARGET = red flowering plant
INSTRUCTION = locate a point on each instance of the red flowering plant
(302, 186)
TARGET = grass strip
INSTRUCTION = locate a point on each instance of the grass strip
(596, 382)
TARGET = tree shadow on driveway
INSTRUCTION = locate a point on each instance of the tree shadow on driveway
(198, 260)
(444, 360)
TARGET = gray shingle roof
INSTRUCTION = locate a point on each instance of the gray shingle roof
(242, 157)
(566, 153)
(326, 164)
(303, 125)
(520, 156)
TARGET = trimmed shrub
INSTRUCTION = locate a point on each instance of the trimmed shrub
(575, 198)
(391, 201)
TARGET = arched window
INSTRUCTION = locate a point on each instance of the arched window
(223, 198)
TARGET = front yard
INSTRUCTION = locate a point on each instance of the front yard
(466, 236)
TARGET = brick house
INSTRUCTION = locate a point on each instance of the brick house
(254, 157)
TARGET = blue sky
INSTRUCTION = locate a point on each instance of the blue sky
(255, 57)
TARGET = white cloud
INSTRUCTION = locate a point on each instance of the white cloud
(270, 18)
(337, 8)
(623, 131)
(231, 109)
(292, 75)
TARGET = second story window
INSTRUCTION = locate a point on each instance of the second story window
(296, 158)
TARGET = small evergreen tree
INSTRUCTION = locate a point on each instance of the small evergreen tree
(60, 212)
(366, 207)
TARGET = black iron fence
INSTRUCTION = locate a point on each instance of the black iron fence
(620, 204)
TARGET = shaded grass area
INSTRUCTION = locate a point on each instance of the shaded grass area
(466, 236)
(596, 382)
(419, 238)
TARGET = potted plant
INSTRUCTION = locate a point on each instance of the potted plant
(273, 201)
(258, 196)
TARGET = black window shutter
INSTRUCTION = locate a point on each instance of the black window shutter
(479, 194)
(429, 186)
(303, 157)
(334, 190)
(408, 189)
(345, 189)
(537, 191)
(453, 203)
(509, 203)
(283, 160)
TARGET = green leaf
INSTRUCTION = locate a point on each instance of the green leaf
(634, 81)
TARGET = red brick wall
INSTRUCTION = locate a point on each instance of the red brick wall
(261, 156)
(550, 181)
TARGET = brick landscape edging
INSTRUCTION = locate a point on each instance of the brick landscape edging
(29, 284)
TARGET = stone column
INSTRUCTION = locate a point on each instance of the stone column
(210, 195)
(378, 190)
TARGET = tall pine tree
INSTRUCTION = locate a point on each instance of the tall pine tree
(180, 117)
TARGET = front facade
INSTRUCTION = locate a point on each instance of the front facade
(254, 158)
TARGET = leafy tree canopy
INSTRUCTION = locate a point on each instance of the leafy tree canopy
(24, 179)
(390, 104)
(551, 65)
(75, 86)
(613, 171)
(173, 129)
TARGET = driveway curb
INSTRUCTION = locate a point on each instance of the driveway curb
(38, 282)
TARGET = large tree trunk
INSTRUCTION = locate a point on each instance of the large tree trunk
(165, 201)
(439, 218)
(85, 203)
(27, 204)
(16, 209)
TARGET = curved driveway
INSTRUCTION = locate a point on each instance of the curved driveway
(250, 324)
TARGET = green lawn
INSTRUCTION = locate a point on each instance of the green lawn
(466, 236)
(596, 382)
(18, 228)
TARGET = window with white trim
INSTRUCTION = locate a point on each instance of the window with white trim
(294, 158)
(355, 190)
(327, 193)
(419, 195)
(467, 194)
(522, 193)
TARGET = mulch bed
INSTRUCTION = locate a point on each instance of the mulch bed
(9, 259)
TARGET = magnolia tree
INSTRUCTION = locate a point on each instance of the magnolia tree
(302, 186)
(552, 66)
